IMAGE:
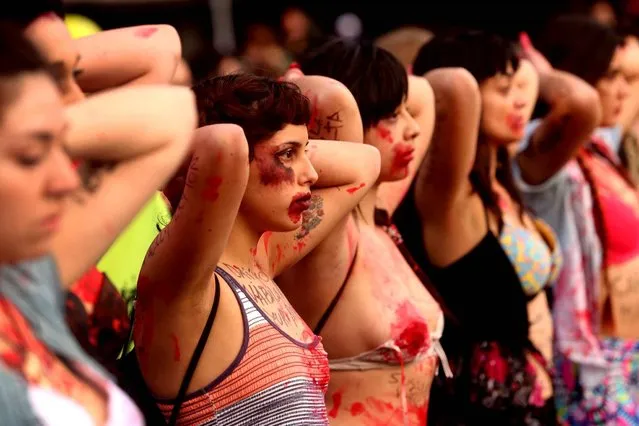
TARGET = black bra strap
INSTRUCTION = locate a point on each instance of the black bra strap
(331, 307)
(195, 358)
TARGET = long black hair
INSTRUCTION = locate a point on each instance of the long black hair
(484, 55)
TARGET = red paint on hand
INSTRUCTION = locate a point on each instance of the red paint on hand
(176, 348)
(355, 188)
(145, 32)
(211, 191)
(337, 402)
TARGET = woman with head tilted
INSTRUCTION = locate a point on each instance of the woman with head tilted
(51, 229)
(378, 324)
(257, 198)
(489, 259)
(594, 207)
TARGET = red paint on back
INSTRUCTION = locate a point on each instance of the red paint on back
(212, 190)
(337, 402)
(355, 188)
(145, 32)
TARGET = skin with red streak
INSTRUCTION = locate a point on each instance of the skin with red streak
(145, 32)
(375, 412)
(267, 237)
(299, 246)
(337, 402)
(272, 171)
(355, 188)
(314, 111)
(212, 190)
(176, 348)
(357, 409)
(385, 134)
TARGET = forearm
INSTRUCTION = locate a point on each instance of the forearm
(125, 123)
(344, 163)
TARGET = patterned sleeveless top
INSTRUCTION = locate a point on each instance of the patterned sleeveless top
(274, 380)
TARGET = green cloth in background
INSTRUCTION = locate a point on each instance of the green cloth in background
(123, 261)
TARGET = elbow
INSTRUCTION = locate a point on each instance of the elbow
(372, 159)
(169, 40)
(585, 104)
(454, 87)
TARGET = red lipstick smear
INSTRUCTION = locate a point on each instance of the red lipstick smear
(355, 188)
(211, 191)
(176, 348)
(337, 402)
(402, 156)
(145, 32)
(385, 134)
(515, 122)
(301, 202)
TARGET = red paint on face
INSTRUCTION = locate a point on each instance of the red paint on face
(515, 123)
(402, 156)
(409, 330)
(300, 203)
(272, 171)
(145, 32)
(176, 348)
(385, 134)
(337, 402)
(357, 409)
(211, 191)
(355, 188)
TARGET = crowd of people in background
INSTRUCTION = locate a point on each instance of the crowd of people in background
(433, 228)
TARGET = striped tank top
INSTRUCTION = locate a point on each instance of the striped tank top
(274, 380)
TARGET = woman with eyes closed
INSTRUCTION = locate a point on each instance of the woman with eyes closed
(52, 229)
(489, 259)
(257, 198)
(378, 323)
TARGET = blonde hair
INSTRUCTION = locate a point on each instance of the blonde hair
(404, 43)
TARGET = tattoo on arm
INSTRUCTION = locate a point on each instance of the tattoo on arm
(311, 217)
(325, 127)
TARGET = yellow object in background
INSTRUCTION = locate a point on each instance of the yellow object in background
(80, 26)
(123, 261)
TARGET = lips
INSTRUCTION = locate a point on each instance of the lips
(403, 155)
(301, 202)
(515, 122)
(52, 222)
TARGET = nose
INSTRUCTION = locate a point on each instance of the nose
(63, 178)
(519, 103)
(308, 175)
(412, 129)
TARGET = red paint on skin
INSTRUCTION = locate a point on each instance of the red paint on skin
(312, 123)
(300, 203)
(385, 134)
(409, 330)
(145, 32)
(279, 255)
(357, 409)
(176, 348)
(355, 188)
(272, 171)
(211, 191)
(337, 402)
(200, 218)
(266, 236)
(299, 246)
(253, 252)
(402, 157)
